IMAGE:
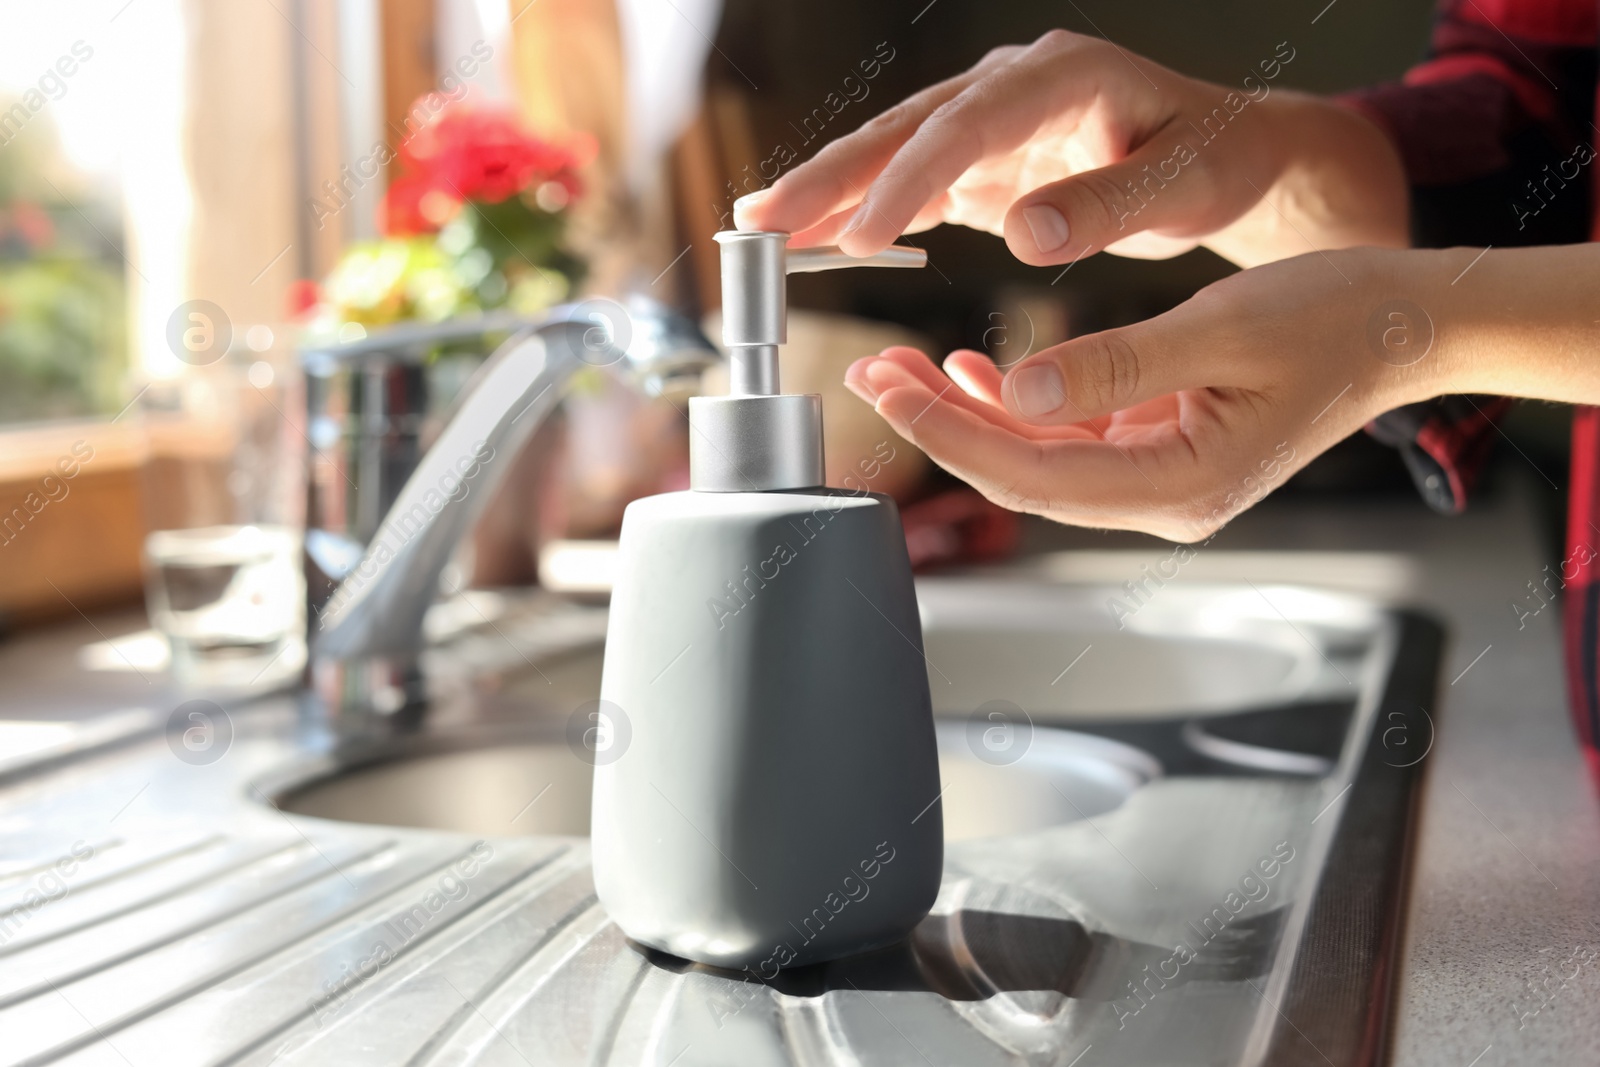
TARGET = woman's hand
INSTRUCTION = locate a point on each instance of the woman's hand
(1071, 145)
(1174, 425)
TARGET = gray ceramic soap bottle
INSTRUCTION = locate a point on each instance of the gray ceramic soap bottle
(777, 801)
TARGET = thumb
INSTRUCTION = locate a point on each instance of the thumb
(1101, 373)
(1166, 185)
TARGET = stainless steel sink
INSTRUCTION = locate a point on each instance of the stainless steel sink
(1021, 651)
(542, 787)
(1188, 651)
(428, 900)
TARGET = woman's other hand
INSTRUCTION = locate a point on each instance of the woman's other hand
(1072, 145)
(1174, 425)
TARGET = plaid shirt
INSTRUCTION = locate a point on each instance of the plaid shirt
(1497, 132)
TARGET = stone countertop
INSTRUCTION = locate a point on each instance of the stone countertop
(1502, 944)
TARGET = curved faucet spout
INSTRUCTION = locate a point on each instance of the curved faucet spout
(379, 607)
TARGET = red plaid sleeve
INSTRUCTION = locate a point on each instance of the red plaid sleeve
(1487, 129)
(1579, 575)
(1443, 443)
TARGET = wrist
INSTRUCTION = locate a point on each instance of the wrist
(1514, 322)
(1510, 322)
(1414, 331)
(1328, 177)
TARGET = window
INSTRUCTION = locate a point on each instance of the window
(63, 296)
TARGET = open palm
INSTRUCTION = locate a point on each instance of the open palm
(1171, 426)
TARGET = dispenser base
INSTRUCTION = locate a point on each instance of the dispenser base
(777, 801)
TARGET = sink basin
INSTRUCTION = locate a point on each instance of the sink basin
(528, 786)
(1189, 651)
(1050, 661)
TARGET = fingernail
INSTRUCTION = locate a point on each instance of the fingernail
(746, 202)
(860, 387)
(855, 222)
(1037, 390)
(1048, 226)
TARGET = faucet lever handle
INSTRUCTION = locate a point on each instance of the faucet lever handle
(828, 257)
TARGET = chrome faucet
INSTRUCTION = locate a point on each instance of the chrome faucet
(366, 640)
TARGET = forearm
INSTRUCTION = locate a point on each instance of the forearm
(1519, 322)
(1334, 180)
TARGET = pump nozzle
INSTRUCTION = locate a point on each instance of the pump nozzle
(756, 438)
(755, 299)
(827, 257)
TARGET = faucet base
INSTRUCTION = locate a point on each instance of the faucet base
(371, 696)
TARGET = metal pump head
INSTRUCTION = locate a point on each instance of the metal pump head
(757, 439)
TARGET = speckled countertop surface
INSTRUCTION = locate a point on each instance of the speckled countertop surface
(1502, 947)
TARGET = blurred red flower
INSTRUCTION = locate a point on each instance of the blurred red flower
(31, 221)
(414, 205)
(479, 153)
(302, 295)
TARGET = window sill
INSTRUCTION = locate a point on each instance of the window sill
(71, 526)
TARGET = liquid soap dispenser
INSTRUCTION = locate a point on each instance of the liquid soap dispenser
(771, 794)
